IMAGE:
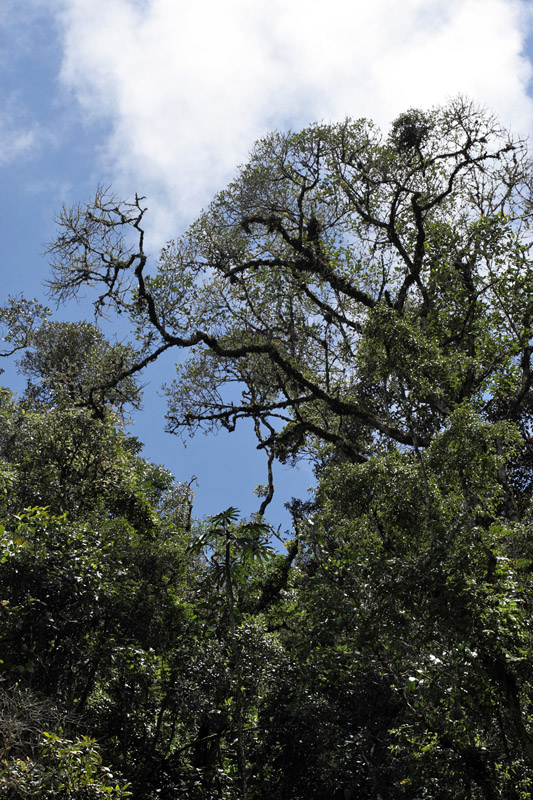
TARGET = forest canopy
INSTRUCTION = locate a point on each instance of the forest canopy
(366, 300)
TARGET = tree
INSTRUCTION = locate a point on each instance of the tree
(64, 458)
(231, 549)
(90, 584)
(346, 290)
(19, 319)
(64, 443)
(94, 627)
(414, 593)
(65, 362)
(366, 301)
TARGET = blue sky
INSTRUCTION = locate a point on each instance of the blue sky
(166, 97)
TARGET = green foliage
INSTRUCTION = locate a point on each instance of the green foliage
(65, 458)
(19, 319)
(366, 301)
(66, 769)
(71, 364)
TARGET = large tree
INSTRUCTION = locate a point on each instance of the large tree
(347, 289)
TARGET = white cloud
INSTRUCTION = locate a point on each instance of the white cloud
(188, 85)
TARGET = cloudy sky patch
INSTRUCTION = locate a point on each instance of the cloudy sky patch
(187, 87)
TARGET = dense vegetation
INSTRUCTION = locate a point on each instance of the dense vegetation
(367, 301)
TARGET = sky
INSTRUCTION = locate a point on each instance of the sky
(166, 98)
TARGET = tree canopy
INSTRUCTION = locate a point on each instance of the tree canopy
(348, 288)
(366, 300)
